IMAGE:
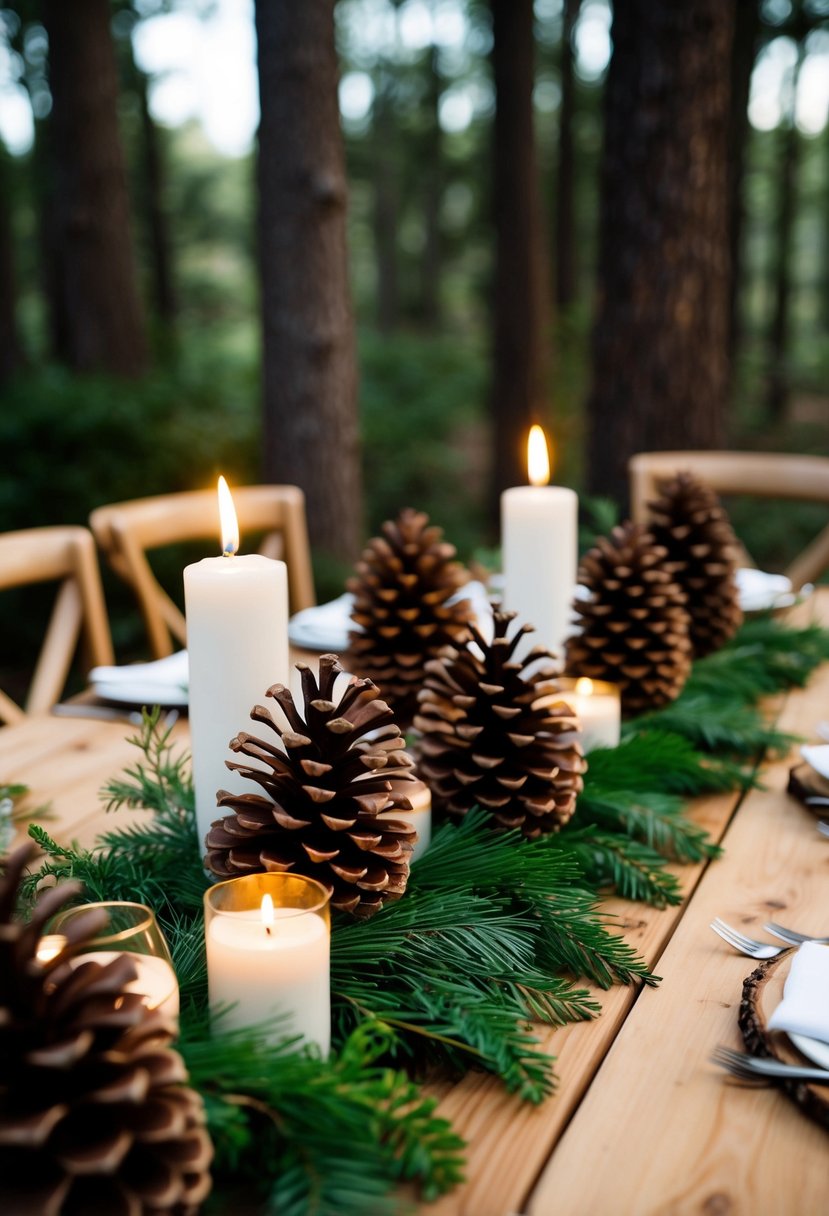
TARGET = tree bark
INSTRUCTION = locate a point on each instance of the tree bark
(11, 353)
(433, 181)
(155, 215)
(104, 311)
(310, 366)
(789, 143)
(565, 260)
(521, 291)
(743, 55)
(660, 340)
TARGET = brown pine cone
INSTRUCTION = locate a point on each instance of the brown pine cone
(634, 625)
(95, 1113)
(401, 590)
(326, 779)
(691, 523)
(491, 737)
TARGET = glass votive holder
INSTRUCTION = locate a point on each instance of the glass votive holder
(599, 708)
(268, 939)
(132, 930)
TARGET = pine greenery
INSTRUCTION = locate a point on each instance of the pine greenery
(495, 931)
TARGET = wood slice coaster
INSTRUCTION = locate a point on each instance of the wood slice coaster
(805, 783)
(763, 992)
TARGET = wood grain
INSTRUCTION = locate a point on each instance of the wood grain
(721, 1147)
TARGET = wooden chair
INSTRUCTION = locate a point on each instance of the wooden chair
(39, 555)
(758, 474)
(125, 530)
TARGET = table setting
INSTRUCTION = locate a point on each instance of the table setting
(426, 867)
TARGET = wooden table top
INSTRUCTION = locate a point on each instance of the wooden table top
(641, 1122)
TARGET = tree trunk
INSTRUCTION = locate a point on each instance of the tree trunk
(565, 261)
(386, 208)
(660, 341)
(430, 262)
(778, 386)
(11, 354)
(521, 301)
(51, 255)
(743, 55)
(310, 366)
(104, 310)
(155, 215)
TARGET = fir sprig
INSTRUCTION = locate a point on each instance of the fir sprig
(325, 1136)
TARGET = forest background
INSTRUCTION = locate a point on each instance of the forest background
(487, 227)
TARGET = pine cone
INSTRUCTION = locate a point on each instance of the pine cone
(487, 741)
(689, 520)
(401, 588)
(336, 770)
(634, 625)
(95, 1115)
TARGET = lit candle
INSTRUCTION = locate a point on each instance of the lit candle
(599, 709)
(539, 537)
(155, 979)
(271, 959)
(237, 642)
(420, 816)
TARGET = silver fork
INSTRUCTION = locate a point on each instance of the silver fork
(791, 935)
(754, 1068)
(745, 945)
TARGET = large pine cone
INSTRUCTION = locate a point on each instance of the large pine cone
(634, 625)
(95, 1115)
(691, 523)
(494, 736)
(401, 591)
(335, 771)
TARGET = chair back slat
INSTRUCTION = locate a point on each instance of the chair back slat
(126, 531)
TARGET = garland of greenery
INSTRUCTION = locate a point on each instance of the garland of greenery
(494, 930)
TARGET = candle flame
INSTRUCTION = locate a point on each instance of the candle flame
(229, 524)
(538, 459)
(267, 912)
(584, 687)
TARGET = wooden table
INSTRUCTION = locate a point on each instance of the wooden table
(641, 1122)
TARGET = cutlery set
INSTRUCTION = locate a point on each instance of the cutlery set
(754, 1068)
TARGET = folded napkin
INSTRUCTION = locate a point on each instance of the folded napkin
(805, 1005)
(327, 626)
(162, 682)
(817, 755)
(758, 590)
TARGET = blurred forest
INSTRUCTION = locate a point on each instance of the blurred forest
(475, 298)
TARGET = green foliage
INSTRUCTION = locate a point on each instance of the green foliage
(324, 1136)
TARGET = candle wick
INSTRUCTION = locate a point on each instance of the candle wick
(268, 930)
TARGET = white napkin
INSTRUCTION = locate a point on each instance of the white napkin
(805, 1005)
(817, 755)
(162, 682)
(757, 589)
(327, 626)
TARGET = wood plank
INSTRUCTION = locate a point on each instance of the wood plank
(722, 1148)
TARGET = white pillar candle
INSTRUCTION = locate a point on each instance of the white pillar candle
(599, 709)
(420, 816)
(237, 642)
(539, 539)
(271, 961)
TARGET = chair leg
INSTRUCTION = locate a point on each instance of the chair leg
(56, 655)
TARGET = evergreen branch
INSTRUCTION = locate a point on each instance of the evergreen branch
(631, 869)
(325, 1136)
(651, 817)
(656, 759)
(717, 724)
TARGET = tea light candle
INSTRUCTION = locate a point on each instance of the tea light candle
(599, 708)
(539, 541)
(237, 642)
(267, 960)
